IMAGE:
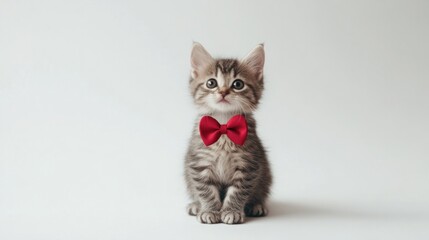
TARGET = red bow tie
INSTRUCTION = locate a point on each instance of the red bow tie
(235, 129)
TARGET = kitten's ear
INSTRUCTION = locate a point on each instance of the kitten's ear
(255, 60)
(200, 58)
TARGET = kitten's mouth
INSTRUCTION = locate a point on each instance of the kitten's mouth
(223, 100)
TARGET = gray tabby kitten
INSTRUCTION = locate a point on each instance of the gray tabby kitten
(227, 181)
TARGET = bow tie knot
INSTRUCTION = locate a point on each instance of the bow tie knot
(223, 129)
(235, 129)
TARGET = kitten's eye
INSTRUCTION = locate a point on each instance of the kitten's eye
(211, 83)
(238, 84)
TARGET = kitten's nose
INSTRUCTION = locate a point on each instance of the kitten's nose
(224, 92)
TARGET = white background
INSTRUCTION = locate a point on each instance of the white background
(95, 116)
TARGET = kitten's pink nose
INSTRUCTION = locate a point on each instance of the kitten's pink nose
(224, 92)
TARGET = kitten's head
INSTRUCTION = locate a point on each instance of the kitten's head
(226, 85)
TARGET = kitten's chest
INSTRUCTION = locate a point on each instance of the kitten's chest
(228, 158)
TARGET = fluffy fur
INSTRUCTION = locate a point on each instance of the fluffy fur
(225, 181)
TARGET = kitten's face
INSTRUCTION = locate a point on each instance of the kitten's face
(226, 85)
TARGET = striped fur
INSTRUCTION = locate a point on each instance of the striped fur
(226, 181)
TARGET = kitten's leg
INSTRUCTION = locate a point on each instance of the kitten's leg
(255, 206)
(236, 197)
(193, 208)
(205, 191)
(233, 206)
(210, 203)
(207, 194)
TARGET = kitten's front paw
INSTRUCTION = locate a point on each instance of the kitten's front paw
(208, 217)
(232, 217)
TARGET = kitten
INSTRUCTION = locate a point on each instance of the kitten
(225, 180)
